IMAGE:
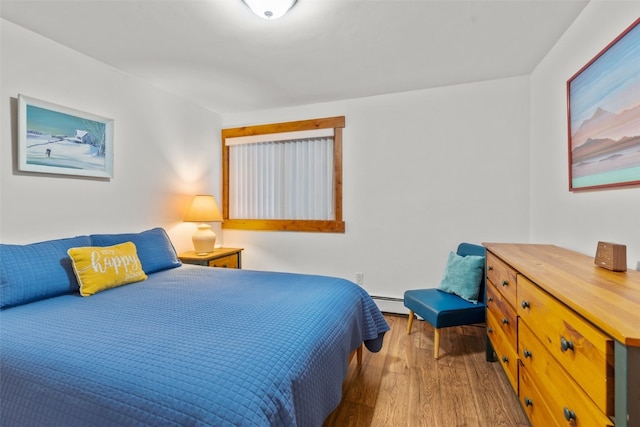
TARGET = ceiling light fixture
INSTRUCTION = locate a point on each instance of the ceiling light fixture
(270, 9)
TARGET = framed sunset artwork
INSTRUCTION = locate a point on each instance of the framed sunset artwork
(604, 117)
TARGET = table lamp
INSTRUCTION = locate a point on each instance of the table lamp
(203, 209)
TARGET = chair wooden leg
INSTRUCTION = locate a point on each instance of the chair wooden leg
(410, 322)
(436, 343)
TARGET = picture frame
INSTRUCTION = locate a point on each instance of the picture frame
(53, 139)
(604, 117)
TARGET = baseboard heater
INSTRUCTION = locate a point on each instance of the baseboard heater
(387, 298)
(389, 304)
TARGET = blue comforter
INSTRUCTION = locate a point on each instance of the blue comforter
(191, 346)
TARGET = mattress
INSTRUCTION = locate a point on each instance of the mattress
(190, 346)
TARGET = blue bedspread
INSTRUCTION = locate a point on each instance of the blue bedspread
(191, 346)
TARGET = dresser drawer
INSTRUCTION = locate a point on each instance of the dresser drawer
(504, 313)
(561, 390)
(230, 261)
(533, 404)
(503, 277)
(580, 348)
(507, 355)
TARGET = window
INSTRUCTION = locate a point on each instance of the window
(283, 176)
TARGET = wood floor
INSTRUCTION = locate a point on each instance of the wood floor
(403, 385)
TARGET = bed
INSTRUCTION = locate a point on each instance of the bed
(188, 346)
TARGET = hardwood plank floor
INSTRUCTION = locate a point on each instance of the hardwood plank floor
(403, 385)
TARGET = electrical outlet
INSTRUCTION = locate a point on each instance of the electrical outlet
(360, 279)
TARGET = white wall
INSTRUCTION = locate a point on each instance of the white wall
(422, 172)
(166, 149)
(576, 220)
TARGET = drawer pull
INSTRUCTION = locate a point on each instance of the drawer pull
(565, 344)
(505, 321)
(505, 359)
(528, 402)
(489, 299)
(569, 414)
(490, 268)
(526, 353)
(525, 304)
(489, 330)
(505, 283)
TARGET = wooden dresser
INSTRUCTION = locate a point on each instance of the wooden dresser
(567, 333)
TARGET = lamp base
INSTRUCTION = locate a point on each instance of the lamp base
(204, 240)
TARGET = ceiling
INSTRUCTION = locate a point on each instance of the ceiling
(221, 56)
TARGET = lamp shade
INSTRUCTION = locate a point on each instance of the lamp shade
(203, 209)
(270, 9)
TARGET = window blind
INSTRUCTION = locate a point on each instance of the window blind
(282, 178)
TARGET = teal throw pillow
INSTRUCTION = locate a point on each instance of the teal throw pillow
(463, 276)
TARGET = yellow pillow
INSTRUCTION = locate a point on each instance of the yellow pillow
(99, 268)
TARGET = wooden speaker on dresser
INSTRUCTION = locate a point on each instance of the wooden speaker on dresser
(611, 256)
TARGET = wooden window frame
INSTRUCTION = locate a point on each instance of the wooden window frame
(326, 226)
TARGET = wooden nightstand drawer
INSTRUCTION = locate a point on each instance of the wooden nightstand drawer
(504, 314)
(580, 348)
(503, 277)
(229, 261)
(561, 390)
(220, 257)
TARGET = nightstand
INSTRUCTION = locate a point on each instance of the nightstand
(220, 257)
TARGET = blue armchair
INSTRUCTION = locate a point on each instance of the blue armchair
(442, 309)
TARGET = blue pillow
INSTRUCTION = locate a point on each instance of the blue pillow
(463, 276)
(155, 250)
(37, 271)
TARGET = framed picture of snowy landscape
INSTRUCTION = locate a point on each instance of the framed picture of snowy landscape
(604, 116)
(59, 140)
